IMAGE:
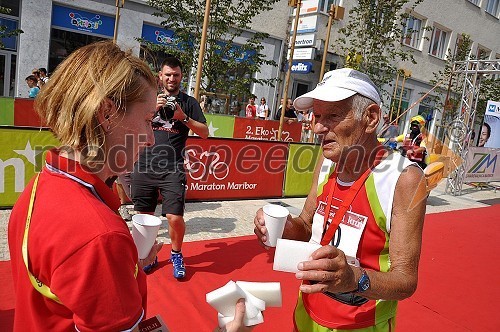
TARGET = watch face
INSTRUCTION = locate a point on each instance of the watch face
(364, 282)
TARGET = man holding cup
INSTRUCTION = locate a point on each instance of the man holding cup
(366, 209)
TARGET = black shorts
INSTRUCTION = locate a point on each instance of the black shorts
(147, 186)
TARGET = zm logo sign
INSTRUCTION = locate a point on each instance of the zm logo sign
(492, 108)
(484, 163)
(82, 22)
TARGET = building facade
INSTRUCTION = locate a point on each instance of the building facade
(52, 29)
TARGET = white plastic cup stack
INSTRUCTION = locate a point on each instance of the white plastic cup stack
(275, 218)
(145, 228)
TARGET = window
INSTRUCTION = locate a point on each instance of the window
(412, 31)
(482, 53)
(476, 2)
(427, 107)
(492, 7)
(438, 42)
(12, 5)
(324, 5)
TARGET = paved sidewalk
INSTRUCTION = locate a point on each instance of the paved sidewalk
(222, 219)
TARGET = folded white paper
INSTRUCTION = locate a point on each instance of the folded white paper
(256, 295)
(290, 253)
(224, 300)
(269, 292)
(248, 322)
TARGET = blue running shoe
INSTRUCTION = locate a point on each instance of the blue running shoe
(150, 267)
(178, 263)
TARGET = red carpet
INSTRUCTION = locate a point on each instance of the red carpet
(458, 287)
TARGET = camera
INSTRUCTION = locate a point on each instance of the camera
(167, 112)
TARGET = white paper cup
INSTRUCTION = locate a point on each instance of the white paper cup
(144, 231)
(275, 218)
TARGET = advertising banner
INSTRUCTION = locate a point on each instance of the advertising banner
(300, 168)
(159, 36)
(83, 21)
(307, 7)
(489, 137)
(220, 125)
(304, 40)
(299, 67)
(306, 24)
(482, 165)
(266, 130)
(6, 111)
(20, 157)
(25, 115)
(306, 53)
(234, 169)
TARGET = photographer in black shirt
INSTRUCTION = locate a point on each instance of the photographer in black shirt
(160, 168)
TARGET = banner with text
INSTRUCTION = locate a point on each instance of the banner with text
(20, 157)
(234, 169)
(482, 165)
(266, 130)
(489, 136)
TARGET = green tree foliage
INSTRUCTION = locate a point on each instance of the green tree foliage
(222, 71)
(4, 32)
(371, 40)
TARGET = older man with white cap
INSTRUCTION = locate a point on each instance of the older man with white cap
(366, 209)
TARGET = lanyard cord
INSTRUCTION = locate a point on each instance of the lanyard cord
(346, 202)
(37, 284)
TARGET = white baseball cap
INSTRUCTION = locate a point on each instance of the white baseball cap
(338, 85)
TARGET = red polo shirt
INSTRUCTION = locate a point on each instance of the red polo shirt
(81, 248)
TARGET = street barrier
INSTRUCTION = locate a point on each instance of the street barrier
(216, 168)
(6, 111)
(300, 165)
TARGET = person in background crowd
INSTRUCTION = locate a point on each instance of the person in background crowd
(414, 143)
(484, 135)
(263, 109)
(161, 167)
(74, 263)
(35, 72)
(251, 108)
(31, 80)
(203, 103)
(43, 75)
(290, 115)
(364, 266)
(307, 123)
(388, 130)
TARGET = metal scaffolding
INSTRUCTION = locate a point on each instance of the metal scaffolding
(461, 129)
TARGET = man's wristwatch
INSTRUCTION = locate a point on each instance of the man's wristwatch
(363, 282)
(186, 119)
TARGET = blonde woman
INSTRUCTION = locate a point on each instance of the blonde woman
(74, 262)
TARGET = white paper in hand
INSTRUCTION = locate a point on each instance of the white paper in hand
(290, 253)
(269, 292)
(224, 300)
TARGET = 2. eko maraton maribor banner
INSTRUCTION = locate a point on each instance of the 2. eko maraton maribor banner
(229, 168)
